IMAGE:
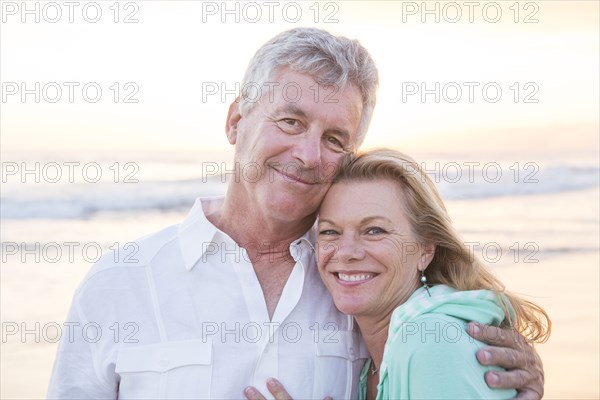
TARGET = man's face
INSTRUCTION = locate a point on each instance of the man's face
(289, 145)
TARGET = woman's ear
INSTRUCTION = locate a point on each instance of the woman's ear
(427, 253)
(233, 118)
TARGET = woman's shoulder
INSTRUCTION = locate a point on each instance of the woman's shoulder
(433, 344)
(443, 304)
(430, 331)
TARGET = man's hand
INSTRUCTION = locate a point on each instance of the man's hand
(276, 389)
(274, 386)
(524, 370)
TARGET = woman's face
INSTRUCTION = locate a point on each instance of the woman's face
(366, 250)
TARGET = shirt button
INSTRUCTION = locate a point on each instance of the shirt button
(351, 351)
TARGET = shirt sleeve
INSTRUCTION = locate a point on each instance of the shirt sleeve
(434, 358)
(77, 373)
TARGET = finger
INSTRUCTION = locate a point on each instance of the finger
(252, 393)
(528, 394)
(526, 373)
(517, 378)
(514, 379)
(503, 357)
(492, 335)
(277, 389)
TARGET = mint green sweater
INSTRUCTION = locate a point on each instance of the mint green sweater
(428, 353)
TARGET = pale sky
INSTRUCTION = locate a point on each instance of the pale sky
(546, 68)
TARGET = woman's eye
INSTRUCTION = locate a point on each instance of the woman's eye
(327, 232)
(375, 230)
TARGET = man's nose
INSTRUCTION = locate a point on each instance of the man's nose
(308, 150)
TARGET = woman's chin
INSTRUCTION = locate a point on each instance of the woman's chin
(350, 308)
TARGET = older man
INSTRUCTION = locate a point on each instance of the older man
(231, 296)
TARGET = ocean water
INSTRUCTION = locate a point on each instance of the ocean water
(85, 188)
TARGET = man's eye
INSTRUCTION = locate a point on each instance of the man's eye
(290, 125)
(291, 122)
(335, 142)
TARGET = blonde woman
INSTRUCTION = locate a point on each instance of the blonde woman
(389, 256)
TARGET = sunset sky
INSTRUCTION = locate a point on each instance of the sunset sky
(543, 55)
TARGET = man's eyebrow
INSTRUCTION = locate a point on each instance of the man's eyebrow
(290, 109)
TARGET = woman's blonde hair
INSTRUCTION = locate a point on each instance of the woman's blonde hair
(453, 263)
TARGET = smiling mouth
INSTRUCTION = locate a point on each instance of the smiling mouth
(292, 178)
(354, 278)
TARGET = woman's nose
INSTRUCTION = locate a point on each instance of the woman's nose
(350, 249)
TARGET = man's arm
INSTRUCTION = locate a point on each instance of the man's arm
(75, 374)
(510, 350)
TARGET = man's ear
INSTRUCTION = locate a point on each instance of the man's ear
(233, 118)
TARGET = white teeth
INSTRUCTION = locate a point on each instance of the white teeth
(354, 278)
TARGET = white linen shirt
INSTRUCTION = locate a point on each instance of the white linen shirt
(182, 315)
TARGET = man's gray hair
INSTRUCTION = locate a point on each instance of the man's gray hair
(330, 60)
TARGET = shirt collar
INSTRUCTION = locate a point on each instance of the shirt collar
(196, 233)
(303, 245)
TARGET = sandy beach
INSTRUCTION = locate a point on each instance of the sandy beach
(566, 283)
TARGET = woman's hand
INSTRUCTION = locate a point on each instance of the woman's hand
(524, 369)
(276, 389)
